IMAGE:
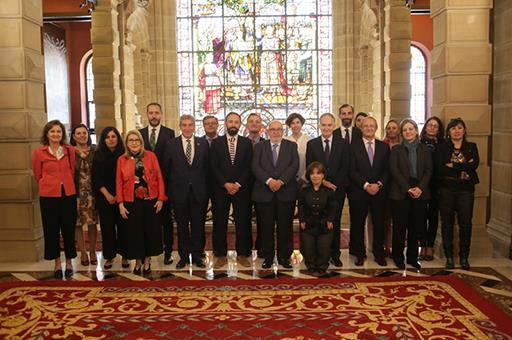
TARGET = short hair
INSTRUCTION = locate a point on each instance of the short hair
(233, 113)
(254, 114)
(187, 117)
(440, 131)
(72, 140)
(344, 106)
(372, 118)
(209, 117)
(155, 104)
(454, 122)
(315, 166)
(128, 153)
(48, 127)
(294, 116)
(410, 121)
(327, 114)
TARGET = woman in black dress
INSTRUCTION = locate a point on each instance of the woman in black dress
(317, 209)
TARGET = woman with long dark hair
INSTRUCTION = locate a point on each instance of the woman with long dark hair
(53, 165)
(432, 135)
(457, 161)
(86, 211)
(110, 148)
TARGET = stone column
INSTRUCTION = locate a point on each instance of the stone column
(461, 65)
(22, 117)
(106, 66)
(500, 224)
(397, 60)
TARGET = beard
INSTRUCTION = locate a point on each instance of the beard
(346, 122)
(154, 122)
(232, 131)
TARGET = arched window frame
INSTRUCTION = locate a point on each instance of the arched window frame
(85, 100)
(428, 80)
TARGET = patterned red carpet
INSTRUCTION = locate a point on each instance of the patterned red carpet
(412, 308)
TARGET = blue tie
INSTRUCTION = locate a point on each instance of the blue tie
(274, 153)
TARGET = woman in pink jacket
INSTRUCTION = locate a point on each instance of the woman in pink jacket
(140, 195)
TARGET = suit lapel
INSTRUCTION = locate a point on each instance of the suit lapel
(181, 152)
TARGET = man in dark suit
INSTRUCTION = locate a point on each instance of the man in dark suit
(185, 168)
(210, 126)
(369, 174)
(155, 138)
(275, 163)
(230, 164)
(333, 153)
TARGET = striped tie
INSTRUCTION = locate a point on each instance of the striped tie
(232, 149)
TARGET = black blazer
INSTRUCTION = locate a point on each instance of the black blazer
(356, 134)
(180, 177)
(337, 165)
(450, 177)
(164, 136)
(361, 171)
(400, 172)
(220, 162)
(285, 170)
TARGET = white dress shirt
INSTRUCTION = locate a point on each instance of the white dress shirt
(192, 143)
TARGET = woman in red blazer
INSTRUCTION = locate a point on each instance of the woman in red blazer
(140, 194)
(53, 165)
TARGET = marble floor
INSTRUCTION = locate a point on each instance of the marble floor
(491, 277)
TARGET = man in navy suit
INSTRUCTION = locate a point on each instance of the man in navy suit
(369, 175)
(186, 168)
(230, 164)
(333, 153)
(155, 138)
(274, 165)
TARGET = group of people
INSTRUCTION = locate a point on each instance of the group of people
(139, 187)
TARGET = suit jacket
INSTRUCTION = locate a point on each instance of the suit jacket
(164, 136)
(356, 134)
(399, 167)
(220, 162)
(285, 170)
(337, 165)
(361, 171)
(182, 177)
(51, 173)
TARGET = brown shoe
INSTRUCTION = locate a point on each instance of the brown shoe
(221, 262)
(243, 261)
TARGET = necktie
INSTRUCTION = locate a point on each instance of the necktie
(232, 149)
(274, 153)
(327, 150)
(188, 152)
(347, 135)
(152, 139)
(370, 153)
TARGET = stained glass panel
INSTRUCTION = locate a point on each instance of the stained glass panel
(269, 56)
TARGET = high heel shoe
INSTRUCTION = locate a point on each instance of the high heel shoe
(58, 274)
(108, 264)
(68, 272)
(136, 270)
(147, 270)
(125, 263)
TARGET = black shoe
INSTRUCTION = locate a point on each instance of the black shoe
(321, 271)
(359, 261)
(311, 270)
(267, 264)
(136, 270)
(464, 264)
(400, 264)
(336, 262)
(58, 274)
(449, 263)
(285, 263)
(181, 264)
(68, 272)
(199, 262)
(381, 261)
(415, 264)
(168, 257)
(147, 270)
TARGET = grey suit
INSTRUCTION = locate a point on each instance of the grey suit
(275, 207)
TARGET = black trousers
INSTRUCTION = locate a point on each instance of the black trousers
(242, 213)
(269, 215)
(142, 232)
(336, 230)
(408, 218)
(428, 235)
(58, 215)
(316, 249)
(190, 217)
(109, 226)
(168, 226)
(358, 213)
(458, 202)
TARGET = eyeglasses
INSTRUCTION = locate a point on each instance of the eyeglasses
(133, 141)
(275, 130)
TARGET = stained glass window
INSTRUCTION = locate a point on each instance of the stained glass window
(418, 80)
(268, 56)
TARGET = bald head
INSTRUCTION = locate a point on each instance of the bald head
(275, 131)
